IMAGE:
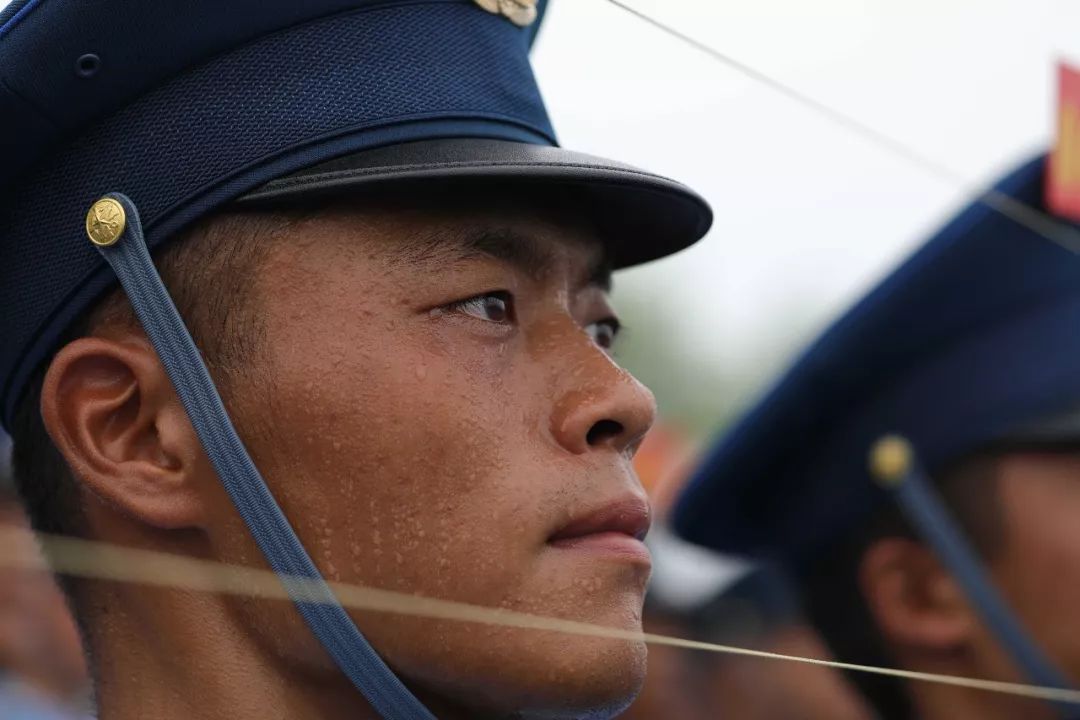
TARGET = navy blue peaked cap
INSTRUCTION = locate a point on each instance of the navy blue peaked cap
(974, 339)
(186, 105)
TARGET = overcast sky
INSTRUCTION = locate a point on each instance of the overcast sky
(808, 215)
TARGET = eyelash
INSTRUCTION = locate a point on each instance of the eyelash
(613, 325)
(506, 304)
(476, 302)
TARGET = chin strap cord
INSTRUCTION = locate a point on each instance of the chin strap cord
(897, 469)
(115, 229)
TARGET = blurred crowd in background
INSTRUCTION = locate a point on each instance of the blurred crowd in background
(41, 659)
(700, 595)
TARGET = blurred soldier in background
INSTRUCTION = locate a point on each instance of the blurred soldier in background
(697, 595)
(970, 351)
(42, 670)
(701, 595)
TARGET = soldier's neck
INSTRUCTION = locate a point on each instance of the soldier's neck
(170, 654)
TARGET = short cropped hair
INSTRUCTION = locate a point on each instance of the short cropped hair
(208, 270)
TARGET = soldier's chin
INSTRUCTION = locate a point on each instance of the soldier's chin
(613, 678)
(569, 678)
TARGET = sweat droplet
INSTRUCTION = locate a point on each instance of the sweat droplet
(421, 372)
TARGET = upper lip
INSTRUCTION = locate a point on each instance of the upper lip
(628, 516)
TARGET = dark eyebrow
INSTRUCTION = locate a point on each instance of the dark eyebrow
(599, 274)
(521, 252)
(527, 255)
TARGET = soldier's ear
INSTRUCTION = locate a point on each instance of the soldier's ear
(913, 600)
(113, 414)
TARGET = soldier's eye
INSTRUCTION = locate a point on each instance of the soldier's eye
(496, 307)
(604, 332)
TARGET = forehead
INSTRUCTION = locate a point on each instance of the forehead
(539, 233)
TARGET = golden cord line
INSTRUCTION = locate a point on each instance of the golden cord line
(1033, 218)
(101, 561)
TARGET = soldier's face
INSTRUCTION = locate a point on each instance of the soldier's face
(436, 411)
(1038, 564)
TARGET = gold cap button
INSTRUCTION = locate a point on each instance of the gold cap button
(105, 222)
(890, 459)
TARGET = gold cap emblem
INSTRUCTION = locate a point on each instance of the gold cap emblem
(520, 12)
(105, 222)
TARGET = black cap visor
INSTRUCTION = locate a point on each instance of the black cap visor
(641, 216)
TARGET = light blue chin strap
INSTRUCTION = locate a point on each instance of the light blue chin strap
(114, 227)
(897, 469)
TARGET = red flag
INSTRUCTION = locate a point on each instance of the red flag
(1063, 179)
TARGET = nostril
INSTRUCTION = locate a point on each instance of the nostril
(602, 431)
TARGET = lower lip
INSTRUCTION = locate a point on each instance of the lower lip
(618, 546)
